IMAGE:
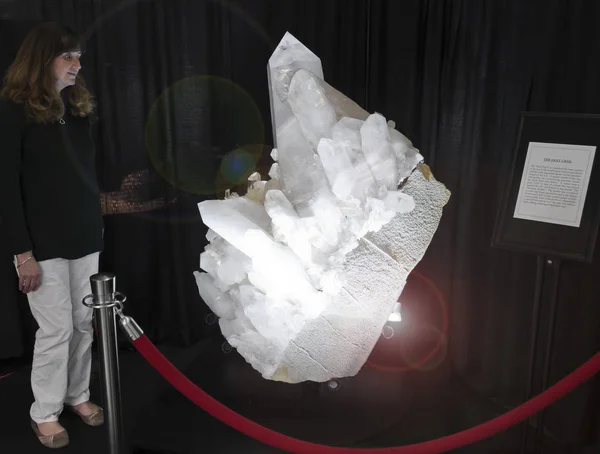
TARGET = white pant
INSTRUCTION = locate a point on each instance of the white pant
(62, 356)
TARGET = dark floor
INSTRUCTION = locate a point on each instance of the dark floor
(373, 409)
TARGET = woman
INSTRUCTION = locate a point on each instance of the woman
(51, 217)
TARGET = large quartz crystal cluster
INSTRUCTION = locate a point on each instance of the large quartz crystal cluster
(304, 270)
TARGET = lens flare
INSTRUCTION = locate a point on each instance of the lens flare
(195, 125)
(421, 347)
(237, 165)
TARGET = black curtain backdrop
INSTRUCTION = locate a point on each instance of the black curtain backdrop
(183, 114)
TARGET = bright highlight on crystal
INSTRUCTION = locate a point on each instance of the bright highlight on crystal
(396, 315)
(304, 270)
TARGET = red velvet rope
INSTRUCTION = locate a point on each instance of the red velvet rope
(6, 375)
(289, 444)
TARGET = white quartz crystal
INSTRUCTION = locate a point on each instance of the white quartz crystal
(304, 269)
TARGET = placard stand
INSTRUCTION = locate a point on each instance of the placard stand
(549, 161)
(545, 308)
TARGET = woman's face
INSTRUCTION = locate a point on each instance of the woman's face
(65, 68)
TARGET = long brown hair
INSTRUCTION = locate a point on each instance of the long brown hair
(30, 79)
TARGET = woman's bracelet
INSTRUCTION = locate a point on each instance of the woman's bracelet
(25, 261)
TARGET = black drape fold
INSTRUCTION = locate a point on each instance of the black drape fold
(474, 66)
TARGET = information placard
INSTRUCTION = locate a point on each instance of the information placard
(551, 205)
(555, 183)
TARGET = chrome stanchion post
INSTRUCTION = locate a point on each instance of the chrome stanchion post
(106, 302)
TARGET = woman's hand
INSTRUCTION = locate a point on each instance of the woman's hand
(30, 273)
